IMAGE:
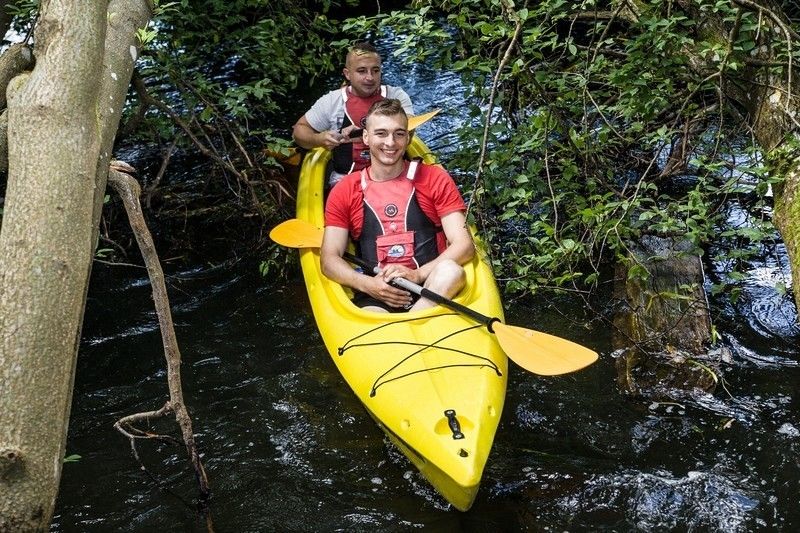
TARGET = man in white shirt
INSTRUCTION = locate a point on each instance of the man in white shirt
(337, 114)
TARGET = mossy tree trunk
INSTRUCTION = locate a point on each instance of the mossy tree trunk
(768, 90)
(787, 215)
(62, 118)
(662, 323)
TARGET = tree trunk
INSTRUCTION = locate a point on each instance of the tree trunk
(14, 61)
(662, 324)
(787, 215)
(61, 125)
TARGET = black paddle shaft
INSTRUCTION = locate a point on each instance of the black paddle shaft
(410, 286)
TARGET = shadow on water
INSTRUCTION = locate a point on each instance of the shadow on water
(289, 448)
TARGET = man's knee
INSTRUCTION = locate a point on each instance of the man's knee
(448, 273)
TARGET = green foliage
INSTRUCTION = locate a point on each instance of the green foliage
(217, 83)
(22, 9)
(264, 49)
(606, 121)
(72, 458)
(277, 260)
(216, 76)
(607, 125)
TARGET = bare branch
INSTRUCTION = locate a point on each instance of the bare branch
(128, 189)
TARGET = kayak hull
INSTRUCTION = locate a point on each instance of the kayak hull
(433, 380)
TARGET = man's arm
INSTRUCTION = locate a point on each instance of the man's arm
(460, 247)
(405, 100)
(307, 137)
(334, 244)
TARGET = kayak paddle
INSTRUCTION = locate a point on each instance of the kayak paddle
(534, 351)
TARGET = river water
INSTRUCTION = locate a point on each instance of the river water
(289, 448)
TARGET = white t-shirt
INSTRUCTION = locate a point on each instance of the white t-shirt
(327, 113)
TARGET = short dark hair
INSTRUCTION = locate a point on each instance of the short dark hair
(386, 107)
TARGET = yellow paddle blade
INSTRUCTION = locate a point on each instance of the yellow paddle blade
(541, 353)
(292, 157)
(296, 233)
(415, 121)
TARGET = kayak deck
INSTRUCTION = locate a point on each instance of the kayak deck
(433, 380)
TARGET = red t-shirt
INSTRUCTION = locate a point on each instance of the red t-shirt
(437, 196)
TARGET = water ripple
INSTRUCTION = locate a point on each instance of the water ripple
(661, 501)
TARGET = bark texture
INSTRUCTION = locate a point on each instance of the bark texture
(17, 59)
(663, 325)
(14, 61)
(787, 211)
(124, 18)
(61, 125)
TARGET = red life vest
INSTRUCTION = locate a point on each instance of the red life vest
(351, 157)
(395, 229)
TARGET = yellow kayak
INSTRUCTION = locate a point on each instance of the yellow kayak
(433, 380)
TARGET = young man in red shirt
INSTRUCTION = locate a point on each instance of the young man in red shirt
(406, 216)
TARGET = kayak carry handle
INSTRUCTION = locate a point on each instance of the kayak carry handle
(452, 421)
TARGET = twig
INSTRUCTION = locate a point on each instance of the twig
(150, 189)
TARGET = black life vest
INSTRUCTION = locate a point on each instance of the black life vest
(352, 157)
(395, 228)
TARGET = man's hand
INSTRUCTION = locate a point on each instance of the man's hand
(351, 133)
(399, 271)
(380, 289)
(307, 137)
(331, 139)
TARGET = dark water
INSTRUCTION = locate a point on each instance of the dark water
(289, 448)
